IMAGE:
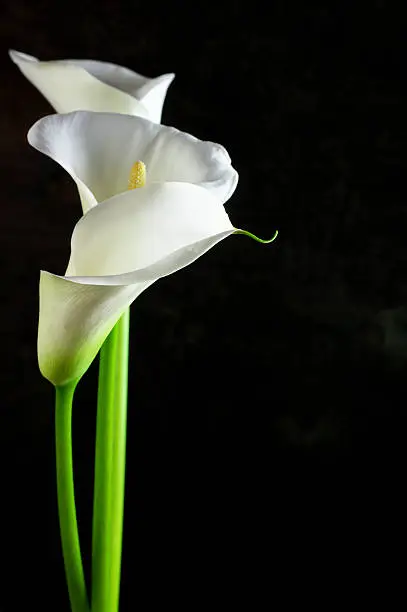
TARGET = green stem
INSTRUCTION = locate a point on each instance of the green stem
(119, 454)
(66, 499)
(110, 459)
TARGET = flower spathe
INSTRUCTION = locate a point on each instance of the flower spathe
(127, 239)
(99, 149)
(91, 85)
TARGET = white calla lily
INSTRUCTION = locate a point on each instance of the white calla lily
(128, 238)
(99, 149)
(71, 85)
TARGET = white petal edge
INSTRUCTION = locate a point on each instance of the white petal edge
(153, 94)
(99, 149)
(77, 314)
(69, 87)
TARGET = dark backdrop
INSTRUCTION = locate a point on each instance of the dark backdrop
(267, 382)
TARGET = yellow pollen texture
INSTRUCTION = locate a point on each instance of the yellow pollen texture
(137, 176)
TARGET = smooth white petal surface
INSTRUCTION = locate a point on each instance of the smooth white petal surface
(69, 87)
(99, 149)
(74, 321)
(77, 313)
(142, 226)
(151, 92)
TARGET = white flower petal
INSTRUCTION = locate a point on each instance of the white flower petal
(74, 321)
(151, 92)
(99, 149)
(69, 87)
(142, 226)
(77, 314)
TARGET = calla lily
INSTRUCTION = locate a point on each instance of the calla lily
(128, 238)
(71, 85)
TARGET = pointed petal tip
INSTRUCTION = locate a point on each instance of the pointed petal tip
(18, 56)
(13, 54)
(168, 77)
(256, 238)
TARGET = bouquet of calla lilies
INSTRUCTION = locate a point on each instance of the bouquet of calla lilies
(153, 202)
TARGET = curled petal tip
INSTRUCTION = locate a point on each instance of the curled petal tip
(256, 238)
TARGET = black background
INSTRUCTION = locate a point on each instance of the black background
(267, 383)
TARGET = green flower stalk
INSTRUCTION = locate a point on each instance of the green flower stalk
(66, 499)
